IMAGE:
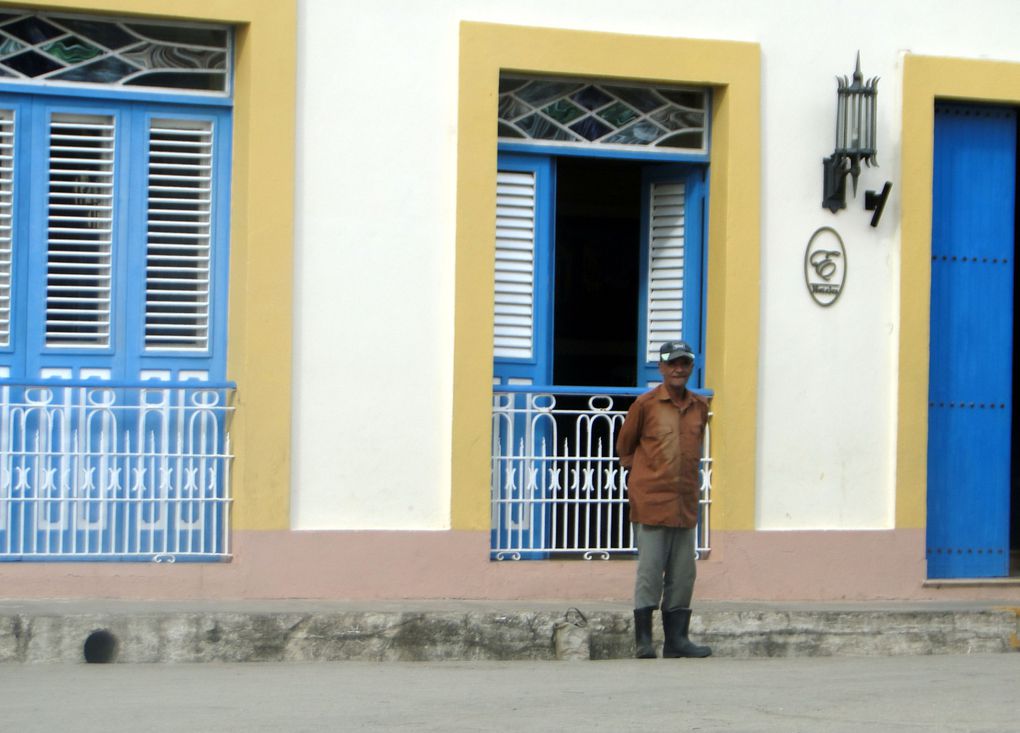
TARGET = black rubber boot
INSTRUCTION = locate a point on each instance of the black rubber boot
(643, 633)
(675, 625)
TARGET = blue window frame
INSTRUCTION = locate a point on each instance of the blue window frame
(114, 234)
(526, 202)
(670, 274)
(582, 248)
(113, 280)
(118, 239)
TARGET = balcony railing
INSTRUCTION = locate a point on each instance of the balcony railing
(114, 471)
(557, 486)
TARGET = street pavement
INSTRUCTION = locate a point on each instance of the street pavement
(974, 693)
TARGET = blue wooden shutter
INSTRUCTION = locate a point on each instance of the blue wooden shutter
(523, 270)
(71, 236)
(970, 378)
(672, 265)
(180, 244)
(120, 218)
(15, 138)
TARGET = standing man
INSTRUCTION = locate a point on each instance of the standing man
(660, 443)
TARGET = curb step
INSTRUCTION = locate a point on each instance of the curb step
(316, 636)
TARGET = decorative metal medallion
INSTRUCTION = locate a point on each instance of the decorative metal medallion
(825, 266)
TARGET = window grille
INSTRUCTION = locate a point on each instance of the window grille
(581, 113)
(178, 246)
(557, 485)
(79, 230)
(94, 472)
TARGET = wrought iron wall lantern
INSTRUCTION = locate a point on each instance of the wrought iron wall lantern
(855, 142)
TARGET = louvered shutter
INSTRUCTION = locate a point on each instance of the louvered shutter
(6, 220)
(515, 264)
(113, 238)
(79, 245)
(665, 296)
(177, 265)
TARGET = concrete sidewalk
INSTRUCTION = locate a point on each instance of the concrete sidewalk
(306, 631)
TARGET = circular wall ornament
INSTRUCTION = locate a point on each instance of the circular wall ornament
(825, 266)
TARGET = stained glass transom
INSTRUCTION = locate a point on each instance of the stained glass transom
(37, 46)
(577, 112)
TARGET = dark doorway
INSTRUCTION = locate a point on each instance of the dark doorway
(598, 252)
(595, 343)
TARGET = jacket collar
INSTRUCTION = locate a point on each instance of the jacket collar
(662, 394)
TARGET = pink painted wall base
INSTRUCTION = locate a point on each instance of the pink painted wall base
(769, 566)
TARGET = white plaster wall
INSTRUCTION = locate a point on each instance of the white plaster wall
(375, 209)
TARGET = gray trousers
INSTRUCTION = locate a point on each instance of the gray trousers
(666, 566)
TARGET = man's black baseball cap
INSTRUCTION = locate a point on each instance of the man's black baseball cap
(675, 350)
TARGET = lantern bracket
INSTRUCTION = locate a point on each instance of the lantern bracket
(856, 102)
(875, 201)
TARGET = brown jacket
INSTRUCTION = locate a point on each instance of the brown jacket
(660, 442)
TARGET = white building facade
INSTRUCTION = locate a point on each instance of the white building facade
(397, 346)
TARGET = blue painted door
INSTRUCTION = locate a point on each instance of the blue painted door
(970, 374)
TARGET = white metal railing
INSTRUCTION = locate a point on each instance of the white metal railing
(557, 485)
(129, 471)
